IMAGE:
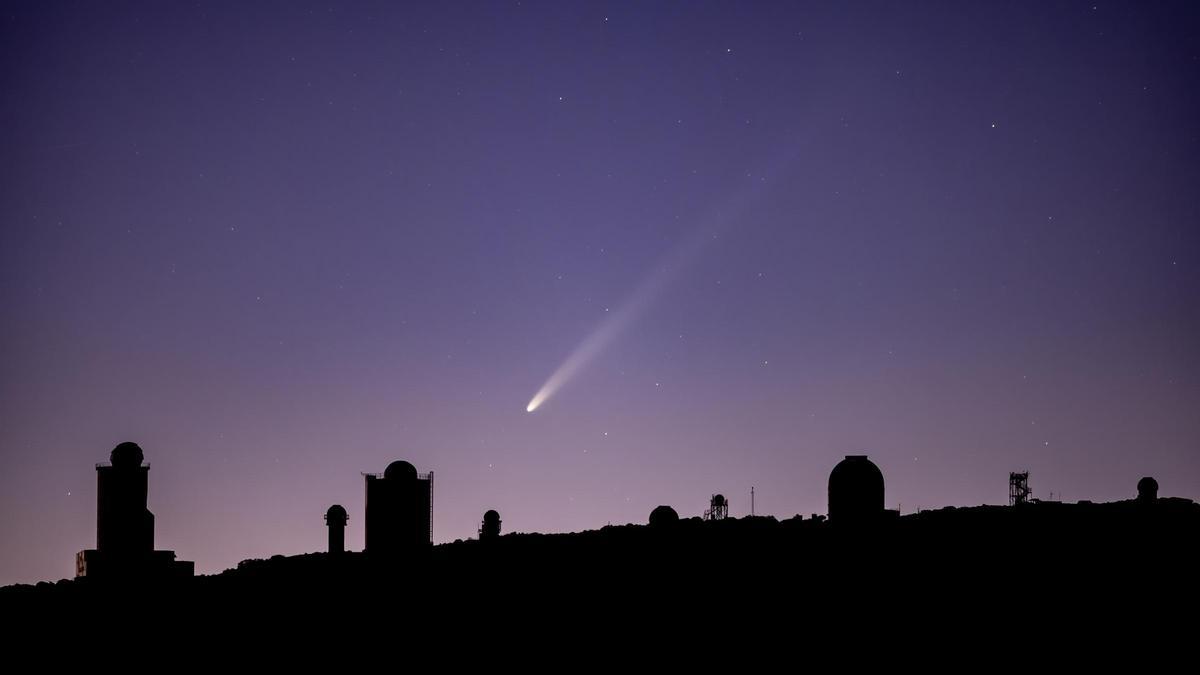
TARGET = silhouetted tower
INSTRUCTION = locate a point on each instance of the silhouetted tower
(855, 491)
(335, 520)
(1018, 488)
(663, 516)
(124, 526)
(490, 529)
(399, 513)
(1147, 490)
(718, 508)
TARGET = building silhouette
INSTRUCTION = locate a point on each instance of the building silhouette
(399, 513)
(124, 526)
(490, 529)
(335, 520)
(1147, 489)
(663, 516)
(718, 508)
(855, 491)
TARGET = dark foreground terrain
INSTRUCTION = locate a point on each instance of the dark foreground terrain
(1041, 571)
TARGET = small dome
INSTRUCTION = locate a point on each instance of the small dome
(400, 470)
(491, 516)
(855, 490)
(719, 500)
(1147, 489)
(663, 515)
(336, 515)
(127, 455)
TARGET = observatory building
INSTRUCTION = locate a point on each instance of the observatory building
(855, 491)
(490, 529)
(399, 514)
(124, 526)
(663, 516)
(335, 520)
(1147, 489)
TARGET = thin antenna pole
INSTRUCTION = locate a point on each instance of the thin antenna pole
(751, 500)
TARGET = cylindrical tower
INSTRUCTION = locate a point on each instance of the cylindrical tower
(335, 520)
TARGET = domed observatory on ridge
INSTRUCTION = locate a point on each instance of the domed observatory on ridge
(490, 528)
(1147, 490)
(663, 516)
(399, 513)
(124, 526)
(855, 492)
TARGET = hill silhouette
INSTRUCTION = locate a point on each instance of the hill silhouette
(987, 561)
(863, 572)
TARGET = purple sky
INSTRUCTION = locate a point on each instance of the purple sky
(279, 245)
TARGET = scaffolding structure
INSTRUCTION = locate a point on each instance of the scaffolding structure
(718, 508)
(1018, 488)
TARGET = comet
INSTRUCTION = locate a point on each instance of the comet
(645, 293)
(616, 323)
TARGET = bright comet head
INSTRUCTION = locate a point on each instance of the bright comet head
(536, 401)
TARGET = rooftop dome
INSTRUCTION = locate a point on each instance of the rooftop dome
(336, 515)
(127, 455)
(719, 499)
(663, 515)
(491, 516)
(855, 490)
(400, 470)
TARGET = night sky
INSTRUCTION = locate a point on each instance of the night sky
(279, 245)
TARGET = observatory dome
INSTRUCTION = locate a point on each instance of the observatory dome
(1147, 489)
(400, 470)
(127, 455)
(663, 515)
(337, 514)
(491, 516)
(855, 490)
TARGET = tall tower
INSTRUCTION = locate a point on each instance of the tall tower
(124, 526)
(399, 513)
(335, 520)
(1018, 488)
